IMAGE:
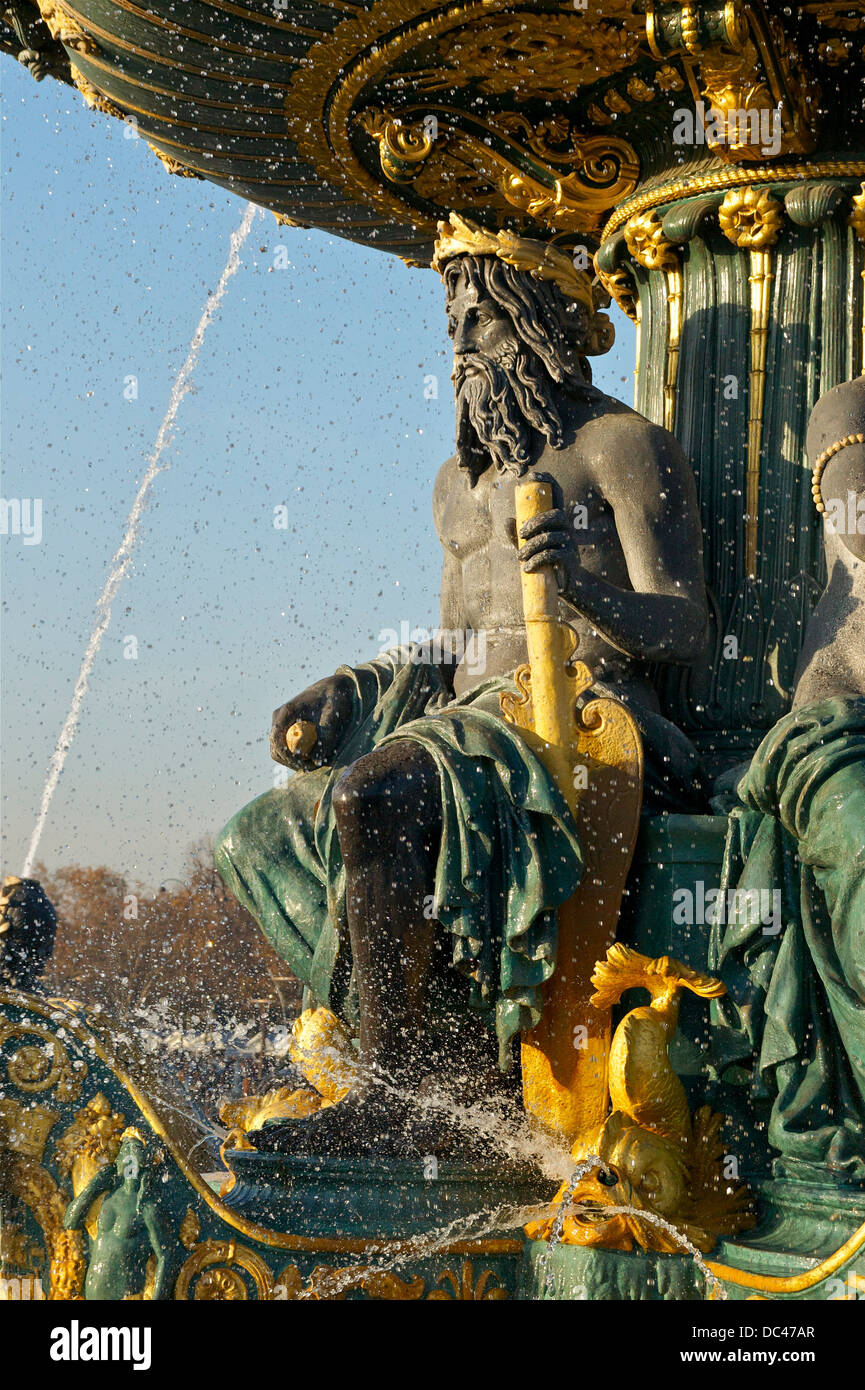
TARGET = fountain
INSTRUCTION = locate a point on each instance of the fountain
(655, 782)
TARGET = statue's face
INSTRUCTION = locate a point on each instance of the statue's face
(504, 396)
(479, 327)
(130, 1159)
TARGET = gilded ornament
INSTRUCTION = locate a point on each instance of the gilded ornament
(647, 243)
(215, 1269)
(327, 1285)
(823, 460)
(749, 69)
(857, 216)
(190, 1229)
(91, 1141)
(459, 237)
(173, 165)
(36, 1188)
(402, 149)
(42, 1066)
(467, 1289)
(751, 218)
(729, 179)
(66, 28)
(845, 15)
(324, 97)
(93, 97)
(25, 1130)
(541, 55)
(651, 248)
(663, 1164)
(619, 284)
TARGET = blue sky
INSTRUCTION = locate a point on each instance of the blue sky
(310, 392)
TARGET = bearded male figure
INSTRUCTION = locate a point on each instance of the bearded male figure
(410, 874)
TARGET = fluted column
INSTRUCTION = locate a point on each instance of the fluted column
(751, 303)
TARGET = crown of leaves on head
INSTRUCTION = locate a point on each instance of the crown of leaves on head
(132, 1135)
(458, 237)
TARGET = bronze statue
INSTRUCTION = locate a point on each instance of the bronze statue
(797, 991)
(28, 925)
(129, 1256)
(410, 872)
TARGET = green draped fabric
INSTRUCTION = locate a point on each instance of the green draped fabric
(509, 852)
(796, 1002)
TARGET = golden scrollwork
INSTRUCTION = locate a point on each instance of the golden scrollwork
(44, 1065)
(540, 55)
(325, 109)
(223, 1270)
(402, 149)
(36, 1188)
(466, 1288)
(327, 1285)
(430, 153)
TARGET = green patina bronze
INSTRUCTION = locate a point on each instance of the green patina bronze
(787, 1050)
(509, 850)
(130, 1228)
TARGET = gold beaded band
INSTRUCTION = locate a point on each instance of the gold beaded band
(820, 465)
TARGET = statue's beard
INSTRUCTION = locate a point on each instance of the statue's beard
(504, 413)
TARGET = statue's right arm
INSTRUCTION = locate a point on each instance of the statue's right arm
(328, 705)
(76, 1212)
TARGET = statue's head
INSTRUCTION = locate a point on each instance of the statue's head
(132, 1155)
(523, 319)
(17, 892)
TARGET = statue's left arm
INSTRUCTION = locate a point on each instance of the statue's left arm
(645, 479)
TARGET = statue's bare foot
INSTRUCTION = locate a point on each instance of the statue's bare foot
(365, 1124)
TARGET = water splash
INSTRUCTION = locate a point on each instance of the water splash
(565, 1207)
(123, 558)
(496, 1123)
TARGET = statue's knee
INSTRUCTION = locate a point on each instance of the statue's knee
(359, 791)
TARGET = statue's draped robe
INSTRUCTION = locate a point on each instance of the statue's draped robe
(796, 1001)
(509, 855)
(509, 851)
